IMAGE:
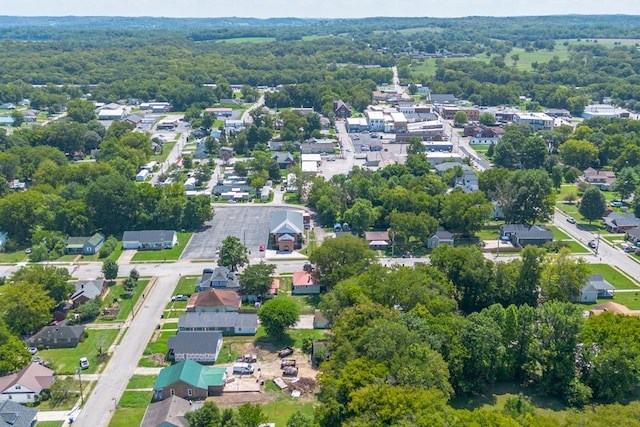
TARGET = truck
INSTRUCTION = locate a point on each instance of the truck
(285, 351)
(290, 371)
(287, 362)
(243, 368)
(247, 358)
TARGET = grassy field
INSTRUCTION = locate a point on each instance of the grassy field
(158, 343)
(126, 304)
(172, 254)
(131, 408)
(141, 381)
(558, 234)
(50, 423)
(614, 276)
(13, 257)
(293, 337)
(186, 285)
(65, 360)
(72, 398)
(629, 299)
(281, 409)
(166, 149)
(306, 303)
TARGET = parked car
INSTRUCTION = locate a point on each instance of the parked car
(284, 352)
(180, 297)
(32, 350)
(84, 363)
(616, 203)
(261, 248)
(571, 220)
(27, 251)
(232, 202)
(593, 244)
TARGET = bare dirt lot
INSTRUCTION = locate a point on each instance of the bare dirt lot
(247, 388)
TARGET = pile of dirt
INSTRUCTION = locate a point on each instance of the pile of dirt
(157, 358)
(304, 385)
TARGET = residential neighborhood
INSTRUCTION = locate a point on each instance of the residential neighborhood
(226, 239)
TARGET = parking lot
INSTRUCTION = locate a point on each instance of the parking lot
(250, 223)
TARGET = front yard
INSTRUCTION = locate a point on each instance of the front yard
(65, 361)
(172, 254)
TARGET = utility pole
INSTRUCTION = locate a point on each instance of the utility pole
(80, 380)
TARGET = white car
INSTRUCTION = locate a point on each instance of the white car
(84, 363)
(571, 220)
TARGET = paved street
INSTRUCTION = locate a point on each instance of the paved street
(100, 404)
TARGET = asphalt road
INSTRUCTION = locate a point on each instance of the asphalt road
(99, 406)
(249, 222)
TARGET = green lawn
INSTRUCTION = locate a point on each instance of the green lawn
(576, 247)
(96, 257)
(488, 234)
(160, 343)
(293, 337)
(141, 381)
(117, 292)
(248, 40)
(72, 398)
(613, 276)
(306, 303)
(135, 399)
(13, 257)
(558, 234)
(186, 285)
(166, 149)
(172, 254)
(127, 417)
(281, 409)
(65, 360)
(49, 423)
(629, 299)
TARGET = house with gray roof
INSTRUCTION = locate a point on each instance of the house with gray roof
(202, 347)
(286, 232)
(620, 222)
(87, 290)
(633, 235)
(149, 239)
(13, 414)
(87, 245)
(440, 237)
(596, 287)
(229, 323)
(58, 336)
(167, 413)
(284, 159)
(219, 278)
(523, 234)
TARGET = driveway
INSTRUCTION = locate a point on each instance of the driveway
(249, 222)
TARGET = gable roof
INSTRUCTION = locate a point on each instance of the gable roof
(195, 342)
(634, 232)
(149, 236)
(215, 298)
(284, 157)
(286, 222)
(191, 373)
(34, 377)
(13, 414)
(88, 288)
(627, 219)
(303, 278)
(599, 283)
(371, 236)
(168, 412)
(228, 319)
(443, 234)
(61, 332)
(523, 231)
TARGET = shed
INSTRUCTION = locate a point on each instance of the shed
(440, 237)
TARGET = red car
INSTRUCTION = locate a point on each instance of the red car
(261, 248)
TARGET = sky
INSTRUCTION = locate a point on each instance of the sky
(315, 8)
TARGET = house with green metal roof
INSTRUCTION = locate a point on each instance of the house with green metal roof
(88, 245)
(189, 380)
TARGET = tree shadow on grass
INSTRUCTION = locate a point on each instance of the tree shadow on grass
(273, 344)
(501, 391)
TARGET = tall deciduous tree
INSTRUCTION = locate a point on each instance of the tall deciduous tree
(256, 279)
(593, 205)
(360, 216)
(460, 118)
(233, 253)
(55, 280)
(339, 258)
(563, 276)
(110, 269)
(26, 307)
(465, 213)
(626, 182)
(277, 314)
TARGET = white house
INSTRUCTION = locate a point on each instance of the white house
(26, 385)
(190, 184)
(142, 175)
(537, 121)
(202, 347)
